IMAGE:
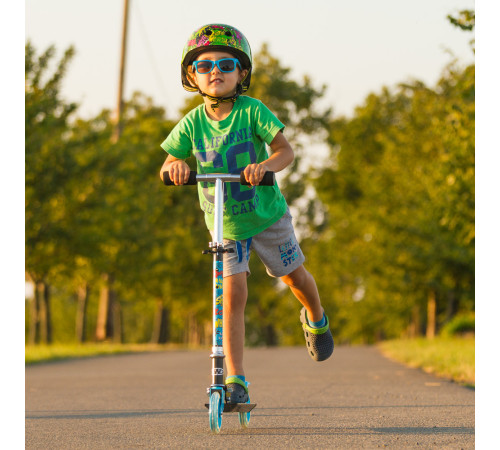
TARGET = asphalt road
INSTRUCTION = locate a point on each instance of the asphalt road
(356, 399)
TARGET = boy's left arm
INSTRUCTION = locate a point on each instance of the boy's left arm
(281, 157)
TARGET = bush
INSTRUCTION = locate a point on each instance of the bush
(459, 325)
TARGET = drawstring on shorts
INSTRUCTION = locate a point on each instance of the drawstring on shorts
(239, 249)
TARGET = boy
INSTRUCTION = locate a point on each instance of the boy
(228, 134)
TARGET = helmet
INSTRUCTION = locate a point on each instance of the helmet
(216, 36)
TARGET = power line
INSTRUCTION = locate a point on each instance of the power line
(150, 52)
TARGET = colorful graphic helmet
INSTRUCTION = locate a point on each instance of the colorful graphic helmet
(216, 36)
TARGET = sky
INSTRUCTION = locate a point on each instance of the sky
(354, 47)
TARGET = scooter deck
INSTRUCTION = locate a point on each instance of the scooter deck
(236, 407)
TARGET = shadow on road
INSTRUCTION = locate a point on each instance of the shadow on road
(346, 431)
(105, 414)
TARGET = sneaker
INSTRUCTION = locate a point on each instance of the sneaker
(319, 341)
(237, 391)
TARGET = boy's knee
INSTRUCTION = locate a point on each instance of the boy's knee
(297, 278)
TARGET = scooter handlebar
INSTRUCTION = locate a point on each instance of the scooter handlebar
(268, 180)
(168, 182)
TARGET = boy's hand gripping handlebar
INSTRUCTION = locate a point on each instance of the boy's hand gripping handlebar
(194, 178)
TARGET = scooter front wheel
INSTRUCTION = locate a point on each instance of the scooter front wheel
(215, 412)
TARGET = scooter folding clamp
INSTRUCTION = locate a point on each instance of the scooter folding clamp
(217, 248)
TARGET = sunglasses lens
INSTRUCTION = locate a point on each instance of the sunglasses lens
(204, 66)
(226, 65)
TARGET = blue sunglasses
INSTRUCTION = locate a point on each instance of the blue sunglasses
(226, 65)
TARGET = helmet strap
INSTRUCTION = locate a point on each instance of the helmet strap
(218, 100)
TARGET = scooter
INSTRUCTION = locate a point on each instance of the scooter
(217, 404)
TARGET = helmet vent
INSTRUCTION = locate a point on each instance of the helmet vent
(228, 33)
(207, 32)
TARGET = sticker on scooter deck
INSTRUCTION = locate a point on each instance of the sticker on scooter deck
(236, 407)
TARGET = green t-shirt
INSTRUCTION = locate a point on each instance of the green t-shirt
(228, 146)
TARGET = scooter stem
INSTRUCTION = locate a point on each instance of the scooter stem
(218, 249)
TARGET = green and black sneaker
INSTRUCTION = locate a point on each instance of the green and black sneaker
(237, 390)
(319, 341)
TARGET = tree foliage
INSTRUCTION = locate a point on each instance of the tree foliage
(48, 164)
(466, 21)
(48, 169)
(399, 202)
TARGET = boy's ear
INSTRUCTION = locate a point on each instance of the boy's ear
(243, 74)
(192, 76)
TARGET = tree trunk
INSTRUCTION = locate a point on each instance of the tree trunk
(45, 322)
(431, 315)
(452, 305)
(192, 336)
(116, 319)
(104, 327)
(270, 335)
(207, 333)
(161, 332)
(414, 328)
(48, 309)
(81, 312)
(34, 331)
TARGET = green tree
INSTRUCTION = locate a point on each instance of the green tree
(49, 161)
(399, 201)
(96, 208)
(396, 244)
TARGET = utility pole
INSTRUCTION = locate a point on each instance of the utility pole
(108, 312)
(118, 125)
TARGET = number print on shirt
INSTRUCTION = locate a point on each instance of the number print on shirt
(217, 161)
(232, 163)
(233, 155)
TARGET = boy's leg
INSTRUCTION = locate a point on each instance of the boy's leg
(303, 286)
(319, 340)
(279, 250)
(235, 298)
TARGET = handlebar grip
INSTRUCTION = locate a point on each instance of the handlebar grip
(268, 180)
(168, 182)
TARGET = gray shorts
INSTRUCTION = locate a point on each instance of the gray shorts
(276, 246)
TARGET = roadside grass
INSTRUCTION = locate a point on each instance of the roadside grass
(448, 357)
(34, 354)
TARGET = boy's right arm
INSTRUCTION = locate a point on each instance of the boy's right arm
(177, 168)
